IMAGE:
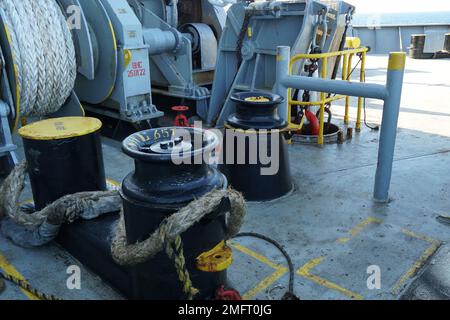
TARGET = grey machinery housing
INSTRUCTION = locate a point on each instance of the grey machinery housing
(129, 50)
(132, 53)
(190, 52)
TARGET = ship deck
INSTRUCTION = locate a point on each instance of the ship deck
(330, 225)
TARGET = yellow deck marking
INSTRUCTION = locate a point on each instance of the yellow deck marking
(9, 269)
(419, 263)
(255, 255)
(305, 272)
(266, 282)
(422, 237)
(358, 229)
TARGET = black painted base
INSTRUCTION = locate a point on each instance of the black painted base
(90, 243)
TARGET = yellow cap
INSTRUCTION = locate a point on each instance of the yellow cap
(352, 42)
(60, 128)
(216, 260)
(257, 99)
(397, 61)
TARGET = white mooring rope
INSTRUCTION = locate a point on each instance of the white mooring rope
(43, 52)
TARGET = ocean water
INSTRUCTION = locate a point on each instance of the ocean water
(419, 18)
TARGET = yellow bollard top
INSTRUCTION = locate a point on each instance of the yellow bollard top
(397, 61)
(60, 128)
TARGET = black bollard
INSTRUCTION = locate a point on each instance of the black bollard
(158, 188)
(249, 132)
(64, 156)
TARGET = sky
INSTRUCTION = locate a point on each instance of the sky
(396, 6)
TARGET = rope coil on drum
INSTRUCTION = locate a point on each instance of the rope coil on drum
(43, 53)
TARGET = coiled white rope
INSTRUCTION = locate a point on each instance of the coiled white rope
(44, 53)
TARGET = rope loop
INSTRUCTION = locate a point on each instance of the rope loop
(168, 236)
(175, 225)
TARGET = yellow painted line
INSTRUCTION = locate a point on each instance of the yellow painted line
(9, 269)
(113, 33)
(255, 255)
(114, 39)
(419, 263)
(358, 229)
(305, 272)
(266, 282)
(422, 237)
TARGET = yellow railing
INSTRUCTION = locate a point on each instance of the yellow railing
(348, 56)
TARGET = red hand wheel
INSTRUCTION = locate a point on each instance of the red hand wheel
(181, 120)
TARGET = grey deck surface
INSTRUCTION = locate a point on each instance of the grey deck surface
(330, 225)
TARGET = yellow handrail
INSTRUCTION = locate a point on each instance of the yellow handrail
(324, 100)
(327, 54)
(315, 103)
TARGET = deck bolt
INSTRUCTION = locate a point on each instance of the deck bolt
(178, 141)
(349, 133)
(164, 145)
(340, 137)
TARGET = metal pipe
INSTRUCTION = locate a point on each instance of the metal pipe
(348, 78)
(285, 81)
(344, 78)
(322, 105)
(172, 18)
(222, 3)
(391, 94)
(354, 89)
(282, 71)
(159, 41)
(388, 134)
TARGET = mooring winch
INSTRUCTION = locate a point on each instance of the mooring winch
(256, 159)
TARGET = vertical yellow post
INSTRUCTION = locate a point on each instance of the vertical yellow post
(322, 104)
(289, 117)
(344, 77)
(348, 76)
(362, 77)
